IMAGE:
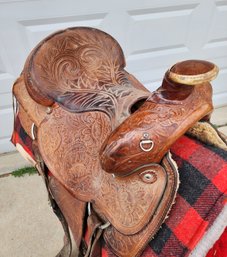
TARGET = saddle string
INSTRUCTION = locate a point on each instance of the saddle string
(103, 226)
(33, 131)
(15, 111)
(96, 229)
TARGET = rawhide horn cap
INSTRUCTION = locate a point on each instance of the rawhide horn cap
(192, 72)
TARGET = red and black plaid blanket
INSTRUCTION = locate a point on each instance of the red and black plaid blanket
(201, 196)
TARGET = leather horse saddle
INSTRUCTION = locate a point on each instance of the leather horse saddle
(105, 139)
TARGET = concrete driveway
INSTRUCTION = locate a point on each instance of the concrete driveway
(28, 227)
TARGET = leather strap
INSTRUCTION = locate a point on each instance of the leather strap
(94, 234)
(67, 248)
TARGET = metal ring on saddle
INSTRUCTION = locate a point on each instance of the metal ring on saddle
(146, 145)
(33, 131)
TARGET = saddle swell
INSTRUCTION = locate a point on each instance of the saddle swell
(166, 115)
(93, 118)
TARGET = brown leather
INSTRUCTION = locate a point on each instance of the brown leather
(113, 198)
(87, 181)
(192, 67)
(35, 112)
(72, 59)
(93, 234)
(82, 69)
(43, 171)
(166, 115)
(128, 203)
(75, 90)
(133, 245)
(73, 209)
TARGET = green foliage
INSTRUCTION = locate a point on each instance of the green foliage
(219, 126)
(24, 171)
(223, 125)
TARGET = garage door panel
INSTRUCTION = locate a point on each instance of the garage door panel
(153, 59)
(218, 28)
(2, 67)
(6, 100)
(36, 30)
(149, 68)
(153, 31)
(220, 100)
(13, 1)
(6, 145)
(217, 47)
(14, 47)
(6, 81)
(6, 115)
(218, 83)
(5, 65)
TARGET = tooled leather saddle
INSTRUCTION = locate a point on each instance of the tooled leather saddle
(105, 139)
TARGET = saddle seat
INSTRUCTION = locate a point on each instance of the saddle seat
(82, 69)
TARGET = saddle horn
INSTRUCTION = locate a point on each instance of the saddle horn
(184, 98)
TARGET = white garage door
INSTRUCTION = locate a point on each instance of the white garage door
(153, 34)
